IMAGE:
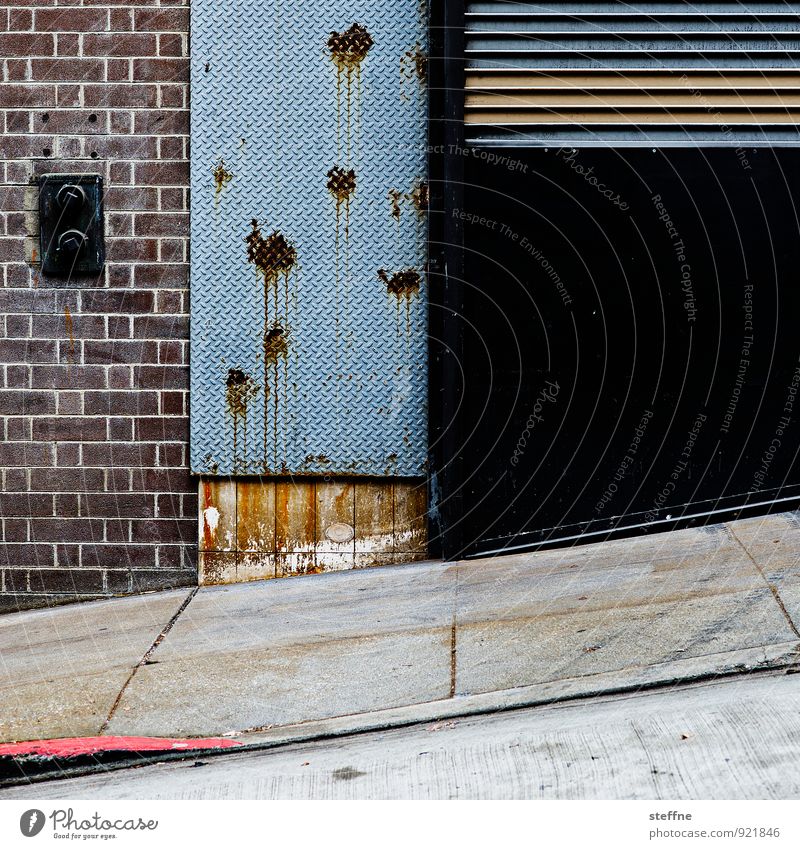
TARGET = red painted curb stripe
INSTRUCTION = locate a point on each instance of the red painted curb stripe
(70, 747)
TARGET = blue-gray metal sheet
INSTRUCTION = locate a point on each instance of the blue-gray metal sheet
(272, 114)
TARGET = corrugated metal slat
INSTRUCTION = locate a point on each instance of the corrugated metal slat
(545, 70)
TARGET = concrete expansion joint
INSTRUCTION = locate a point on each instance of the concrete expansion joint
(146, 657)
(773, 589)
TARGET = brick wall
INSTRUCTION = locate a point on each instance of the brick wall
(96, 495)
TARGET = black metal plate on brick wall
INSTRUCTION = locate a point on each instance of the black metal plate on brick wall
(71, 224)
(630, 349)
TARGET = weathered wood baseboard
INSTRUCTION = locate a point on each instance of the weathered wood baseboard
(256, 528)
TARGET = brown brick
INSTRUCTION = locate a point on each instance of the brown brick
(28, 350)
(172, 44)
(117, 96)
(108, 352)
(80, 581)
(27, 44)
(69, 429)
(120, 44)
(28, 555)
(164, 530)
(133, 403)
(122, 146)
(161, 70)
(66, 480)
(162, 224)
(161, 327)
(162, 429)
(27, 402)
(68, 69)
(36, 504)
(161, 173)
(136, 198)
(68, 377)
(117, 557)
(66, 530)
(111, 301)
(26, 454)
(165, 122)
(70, 20)
(161, 20)
(27, 96)
(158, 275)
(118, 505)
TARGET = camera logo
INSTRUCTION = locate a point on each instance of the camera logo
(31, 822)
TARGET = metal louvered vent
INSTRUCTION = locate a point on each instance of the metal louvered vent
(663, 73)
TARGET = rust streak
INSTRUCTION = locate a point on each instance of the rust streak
(221, 177)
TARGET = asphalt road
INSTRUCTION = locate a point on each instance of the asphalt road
(736, 738)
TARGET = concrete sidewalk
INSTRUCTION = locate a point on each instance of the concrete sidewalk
(735, 738)
(348, 651)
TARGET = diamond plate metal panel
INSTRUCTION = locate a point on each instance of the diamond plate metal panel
(308, 235)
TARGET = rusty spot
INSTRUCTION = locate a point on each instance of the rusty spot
(316, 458)
(395, 196)
(401, 284)
(210, 464)
(272, 255)
(240, 389)
(221, 177)
(350, 48)
(341, 184)
(276, 343)
(420, 196)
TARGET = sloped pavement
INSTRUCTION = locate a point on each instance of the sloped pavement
(292, 659)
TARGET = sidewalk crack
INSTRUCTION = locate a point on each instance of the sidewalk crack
(453, 638)
(145, 657)
(773, 588)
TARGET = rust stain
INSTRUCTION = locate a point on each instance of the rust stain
(208, 534)
(401, 284)
(316, 458)
(274, 258)
(240, 389)
(420, 196)
(221, 177)
(348, 50)
(272, 255)
(413, 65)
(395, 196)
(70, 333)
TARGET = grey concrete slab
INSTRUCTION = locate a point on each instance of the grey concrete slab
(738, 739)
(774, 544)
(563, 614)
(61, 669)
(290, 651)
